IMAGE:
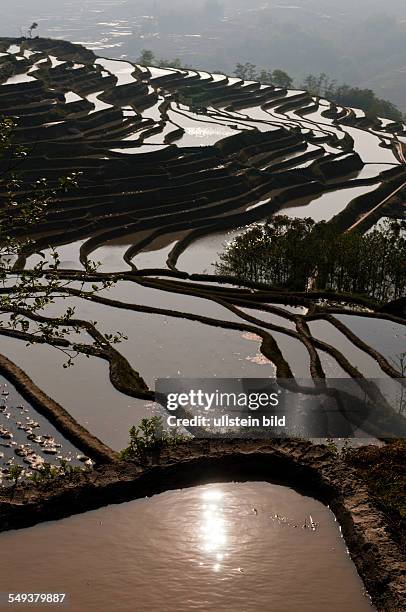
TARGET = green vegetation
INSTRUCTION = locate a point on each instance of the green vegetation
(344, 95)
(46, 473)
(148, 437)
(383, 470)
(25, 293)
(15, 472)
(248, 72)
(361, 43)
(148, 58)
(22, 213)
(322, 86)
(280, 78)
(317, 85)
(299, 254)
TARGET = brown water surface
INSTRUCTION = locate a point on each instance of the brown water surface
(238, 547)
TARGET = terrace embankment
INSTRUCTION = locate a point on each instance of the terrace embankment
(177, 186)
(313, 469)
(57, 415)
(112, 121)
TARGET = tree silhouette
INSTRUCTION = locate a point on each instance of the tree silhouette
(32, 27)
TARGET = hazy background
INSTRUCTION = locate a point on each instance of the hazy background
(361, 42)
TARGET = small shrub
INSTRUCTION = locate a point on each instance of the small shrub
(15, 473)
(148, 437)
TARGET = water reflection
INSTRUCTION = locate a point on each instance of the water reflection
(229, 546)
(213, 532)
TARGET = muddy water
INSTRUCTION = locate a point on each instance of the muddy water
(368, 146)
(155, 254)
(122, 70)
(328, 333)
(198, 133)
(204, 252)
(195, 350)
(18, 419)
(162, 346)
(19, 78)
(223, 547)
(387, 337)
(326, 206)
(201, 254)
(84, 390)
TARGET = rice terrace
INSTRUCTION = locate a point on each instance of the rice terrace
(162, 222)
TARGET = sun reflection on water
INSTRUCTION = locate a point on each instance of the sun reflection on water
(213, 532)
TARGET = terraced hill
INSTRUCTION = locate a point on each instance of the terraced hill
(173, 163)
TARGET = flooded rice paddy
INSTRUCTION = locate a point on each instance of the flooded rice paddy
(161, 172)
(168, 340)
(215, 546)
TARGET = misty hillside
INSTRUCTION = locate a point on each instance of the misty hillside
(361, 43)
